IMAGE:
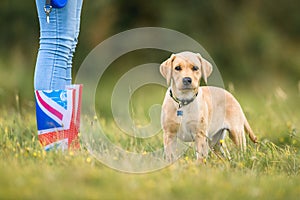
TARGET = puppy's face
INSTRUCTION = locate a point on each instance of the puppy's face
(186, 74)
(183, 71)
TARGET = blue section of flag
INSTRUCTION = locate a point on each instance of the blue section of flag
(45, 122)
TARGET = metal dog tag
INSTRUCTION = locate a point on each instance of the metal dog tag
(179, 112)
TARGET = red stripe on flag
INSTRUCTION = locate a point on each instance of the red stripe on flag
(48, 107)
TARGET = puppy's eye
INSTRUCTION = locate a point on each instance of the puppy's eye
(195, 68)
(178, 68)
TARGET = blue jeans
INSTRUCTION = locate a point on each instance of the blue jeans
(58, 40)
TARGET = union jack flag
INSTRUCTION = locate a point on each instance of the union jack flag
(58, 117)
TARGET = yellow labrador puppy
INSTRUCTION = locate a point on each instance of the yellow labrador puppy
(199, 114)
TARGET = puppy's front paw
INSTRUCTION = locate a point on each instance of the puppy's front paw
(201, 160)
(169, 157)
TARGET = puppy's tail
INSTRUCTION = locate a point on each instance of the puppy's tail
(249, 131)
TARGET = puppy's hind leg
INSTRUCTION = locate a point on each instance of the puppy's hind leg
(223, 147)
(239, 138)
(218, 143)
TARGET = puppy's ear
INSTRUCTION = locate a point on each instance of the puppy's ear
(166, 68)
(206, 68)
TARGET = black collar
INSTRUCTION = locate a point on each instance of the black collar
(183, 102)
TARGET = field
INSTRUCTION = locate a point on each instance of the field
(256, 46)
(268, 170)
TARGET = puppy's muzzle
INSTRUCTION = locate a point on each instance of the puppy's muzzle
(187, 81)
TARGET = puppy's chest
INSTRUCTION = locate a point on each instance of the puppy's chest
(188, 119)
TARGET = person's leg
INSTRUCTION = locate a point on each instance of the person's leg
(70, 60)
(56, 43)
(57, 103)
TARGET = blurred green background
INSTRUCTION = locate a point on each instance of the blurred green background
(255, 44)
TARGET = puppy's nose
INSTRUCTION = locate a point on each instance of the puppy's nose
(186, 81)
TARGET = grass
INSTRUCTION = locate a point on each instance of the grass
(269, 170)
